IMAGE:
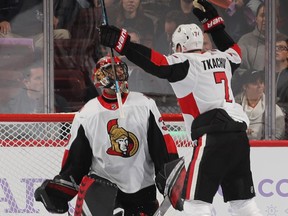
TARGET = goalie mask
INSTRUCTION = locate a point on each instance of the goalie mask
(103, 74)
(188, 36)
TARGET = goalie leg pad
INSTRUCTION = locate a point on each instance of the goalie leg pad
(96, 196)
(170, 181)
(176, 193)
(55, 195)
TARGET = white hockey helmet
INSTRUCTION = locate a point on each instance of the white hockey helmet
(188, 36)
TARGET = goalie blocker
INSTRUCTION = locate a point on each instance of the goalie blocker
(55, 194)
(96, 196)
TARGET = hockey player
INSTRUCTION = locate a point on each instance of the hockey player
(115, 159)
(202, 84)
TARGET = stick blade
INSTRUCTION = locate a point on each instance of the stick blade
(163, 208)
(197, 5)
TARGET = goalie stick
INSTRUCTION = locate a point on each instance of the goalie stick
(170, 182)
(163, 208)
(118, 93)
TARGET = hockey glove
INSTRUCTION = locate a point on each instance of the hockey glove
(115, 38)
(207, 15)
(170, 181)
(55, 195)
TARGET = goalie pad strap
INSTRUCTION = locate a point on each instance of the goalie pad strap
(85, 184)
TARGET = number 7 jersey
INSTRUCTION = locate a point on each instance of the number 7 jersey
(205, 84)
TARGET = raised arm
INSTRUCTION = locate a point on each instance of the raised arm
(148, 59)
(214, 25)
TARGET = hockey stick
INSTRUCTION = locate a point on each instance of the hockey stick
(117, 88)
(163, 208)
(170, 182)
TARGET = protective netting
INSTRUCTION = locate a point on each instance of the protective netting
(31, 150)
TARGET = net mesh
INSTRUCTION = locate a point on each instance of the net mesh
(31, 150)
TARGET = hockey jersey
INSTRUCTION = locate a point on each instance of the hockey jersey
(201, 81)
(127, 151)
(207, 84)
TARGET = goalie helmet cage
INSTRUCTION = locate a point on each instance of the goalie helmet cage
(31, 150)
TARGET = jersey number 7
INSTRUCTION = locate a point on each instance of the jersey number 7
(219, 77)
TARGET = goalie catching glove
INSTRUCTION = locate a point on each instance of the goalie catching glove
(55, 194)
(207, 15)
(115, 38)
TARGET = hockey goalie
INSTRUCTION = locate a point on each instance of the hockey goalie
(111, 162)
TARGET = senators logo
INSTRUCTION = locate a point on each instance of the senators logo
(123, 142)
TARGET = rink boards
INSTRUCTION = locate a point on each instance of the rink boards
(28, 168)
